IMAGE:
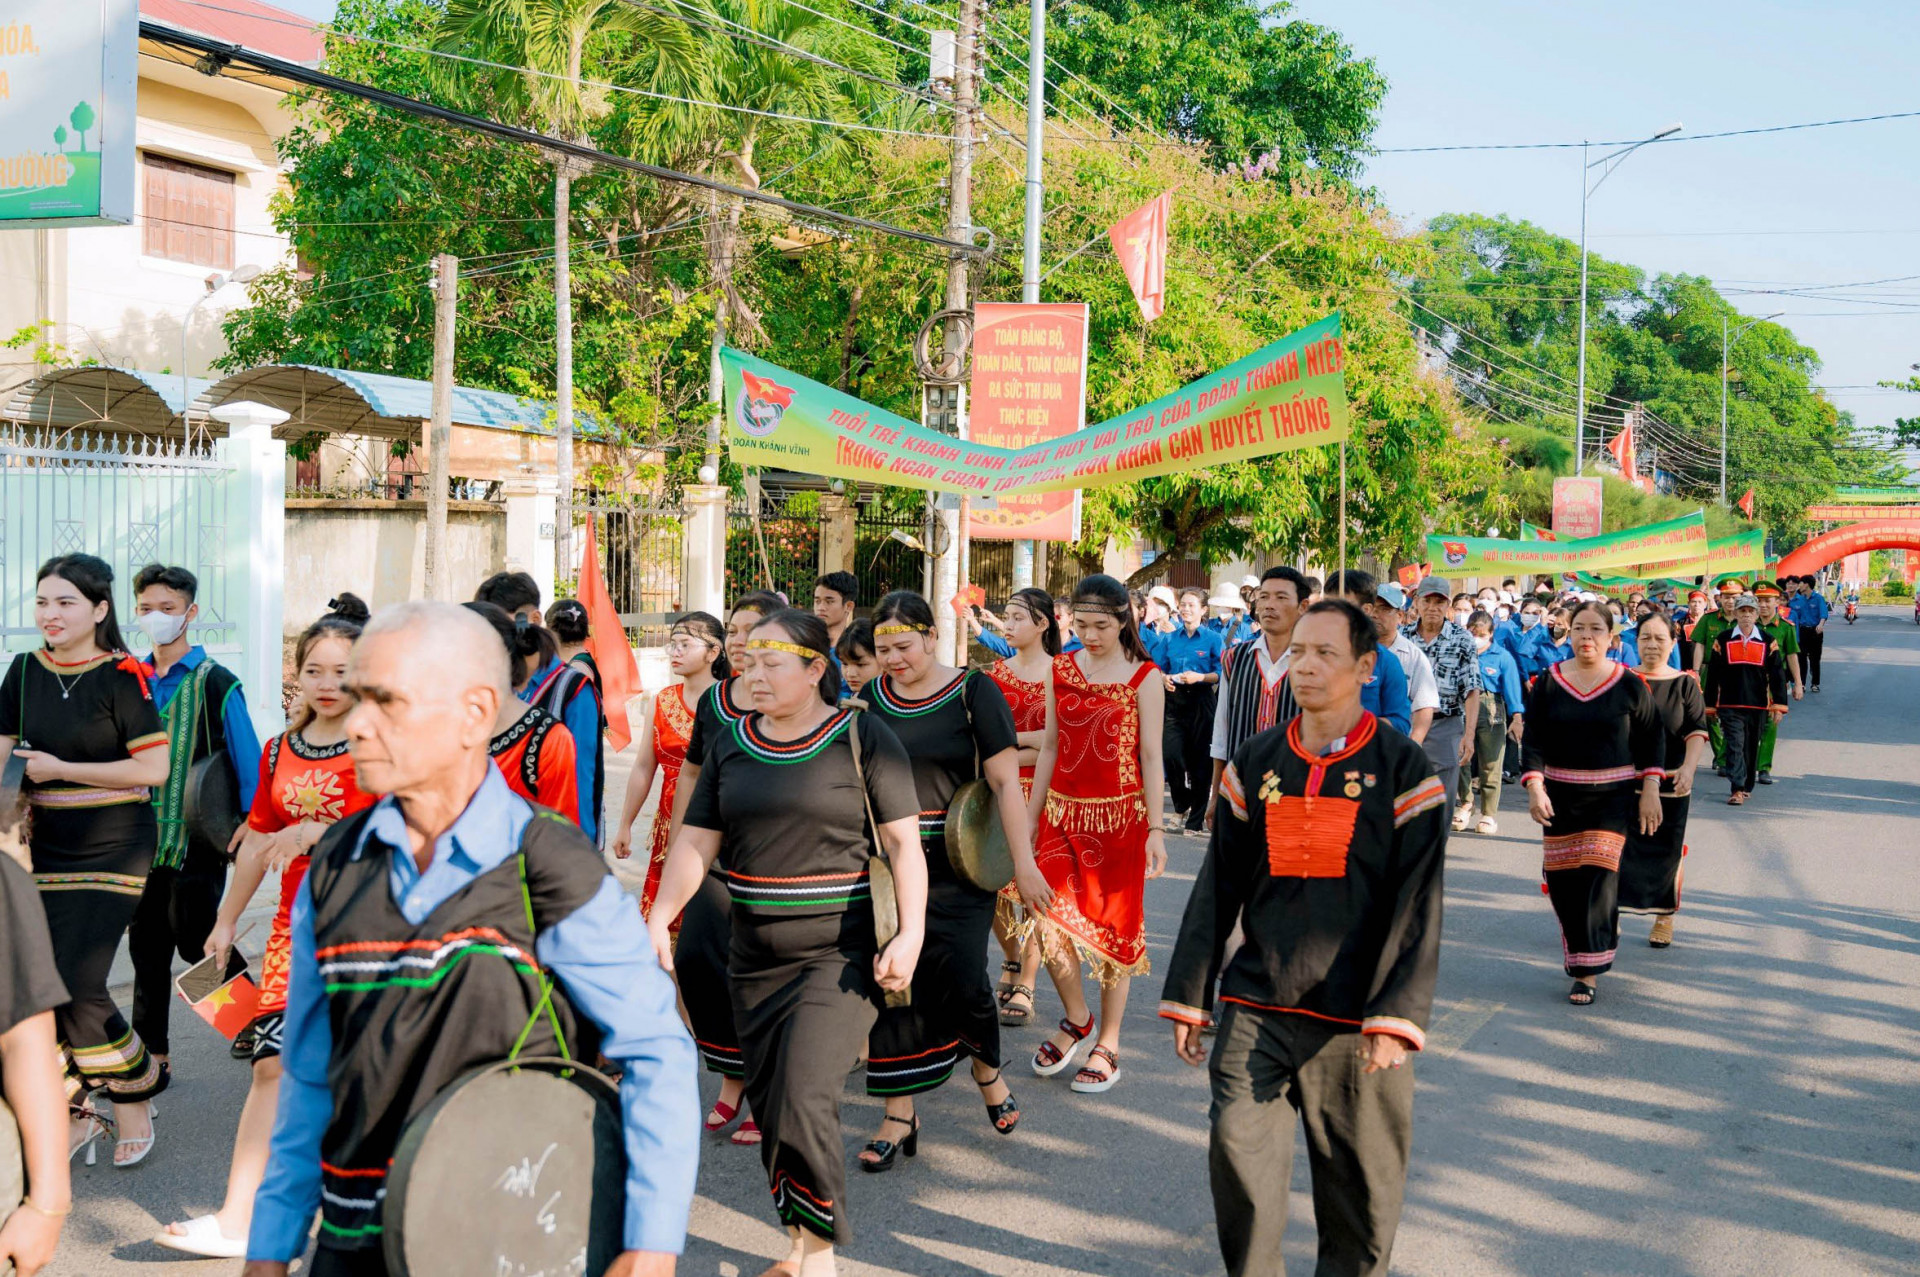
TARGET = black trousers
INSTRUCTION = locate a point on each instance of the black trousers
(1268, 1068)
(1186, 744)
(1812, 641)
(176, 912)
(1742, 728)
(327, 1262)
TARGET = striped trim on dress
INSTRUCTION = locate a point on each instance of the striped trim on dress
(805, 891)
(911, 1074)
(413, 964)
(90, 796)
(113, 884)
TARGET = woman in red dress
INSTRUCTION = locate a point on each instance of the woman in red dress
(1023, 677)
(533, 750)
(306, 784)
(1096, 804)
(696, 651)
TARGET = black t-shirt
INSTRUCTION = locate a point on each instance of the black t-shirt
(94, 712)
(793, 825)
(948, 734)
(30, 984)
(711, 717)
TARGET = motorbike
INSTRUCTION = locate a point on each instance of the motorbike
(1853, 611)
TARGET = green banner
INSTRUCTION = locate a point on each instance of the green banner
(1284, 396)
(1684, 538)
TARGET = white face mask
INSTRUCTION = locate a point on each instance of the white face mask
(162, 627)
(1504, 612)
(1529, 619)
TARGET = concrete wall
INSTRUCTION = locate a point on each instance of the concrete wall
(377, 549)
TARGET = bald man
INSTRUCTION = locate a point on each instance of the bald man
(393, 903)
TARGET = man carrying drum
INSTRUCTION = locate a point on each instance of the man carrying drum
(454, 925)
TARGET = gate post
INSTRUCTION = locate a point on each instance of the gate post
(837, 515)
(706, 548)
(532, 509)
(258, 538)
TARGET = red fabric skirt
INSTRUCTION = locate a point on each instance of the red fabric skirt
(278, 962)
(1094, 856)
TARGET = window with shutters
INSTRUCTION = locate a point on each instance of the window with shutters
(189, 212)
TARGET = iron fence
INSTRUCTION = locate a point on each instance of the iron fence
(644, 557)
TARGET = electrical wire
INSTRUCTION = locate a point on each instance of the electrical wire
(1664, 141)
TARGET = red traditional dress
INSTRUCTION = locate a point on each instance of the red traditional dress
(298, 782)
(1028, 701)
(1092, 842)
(672, 731)
(536, 755)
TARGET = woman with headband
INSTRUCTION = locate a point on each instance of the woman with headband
(705, 934)
(790, 801)
(956, 727)
(1096, 808)
(697, 652)
(1023, 677)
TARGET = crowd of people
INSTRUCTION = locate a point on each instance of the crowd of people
(435, 821)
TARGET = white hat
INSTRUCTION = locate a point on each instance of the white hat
(1165, 594)
(1249, 582)
(1224, 597)
(1393, 595)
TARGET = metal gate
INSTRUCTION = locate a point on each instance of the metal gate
(782, 553)
(644, 556)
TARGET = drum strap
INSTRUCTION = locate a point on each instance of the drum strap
(886, 917)
(546, 981)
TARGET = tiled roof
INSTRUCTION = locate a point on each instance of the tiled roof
(258, 26)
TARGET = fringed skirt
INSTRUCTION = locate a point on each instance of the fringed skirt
(1093, 853)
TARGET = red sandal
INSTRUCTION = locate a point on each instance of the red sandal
(748, 1134)
(1050, 1059)
(720, 1116)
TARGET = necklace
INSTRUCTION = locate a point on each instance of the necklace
(66, 688)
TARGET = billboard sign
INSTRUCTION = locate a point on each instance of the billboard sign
(1029, 384)
(1576, 508)
(67, 95)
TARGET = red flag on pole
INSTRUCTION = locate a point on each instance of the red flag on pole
(1746, 504)
(1621, 446)
(1140, 242)
(607, 641)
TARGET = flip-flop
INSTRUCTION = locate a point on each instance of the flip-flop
(204, 1238)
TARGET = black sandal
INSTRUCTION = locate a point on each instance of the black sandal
(1006, 1114)
(1582, 994)
(1006, 987)
(885, 1150)
(1016, 1014)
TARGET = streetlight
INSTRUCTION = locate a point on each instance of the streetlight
(241, 274)
(1606, 163)
(1726, 345)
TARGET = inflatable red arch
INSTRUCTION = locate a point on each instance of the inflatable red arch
(1855, 538)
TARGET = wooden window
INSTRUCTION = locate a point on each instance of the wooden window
(189, 212)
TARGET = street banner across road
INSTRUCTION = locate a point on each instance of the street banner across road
(1676, 540)
(1284, 396)
(1853, 513)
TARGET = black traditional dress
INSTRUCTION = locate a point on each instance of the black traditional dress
(1650, 869)
(1592, 749)
(700, 954)
(91, 848)
(793, 855)
(947, 735)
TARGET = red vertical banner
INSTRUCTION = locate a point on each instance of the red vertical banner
(607, 640)
(1029, 385)
(1140, 242)
(1576, 508)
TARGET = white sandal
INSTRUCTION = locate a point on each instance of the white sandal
(141, 1145)
(1487, 825)
(93, 1126)
(202, 1236)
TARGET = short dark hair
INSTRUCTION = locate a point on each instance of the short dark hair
(845, 584)
(1361, 635)
(1301, 590)
(1480, 617)
(855, 639)
(567, 618)
(176, 579)
(509, 591)
(1355, 584)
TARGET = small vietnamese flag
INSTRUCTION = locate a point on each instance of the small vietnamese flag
(1746, 504)
(1140, 242)
(607, 641)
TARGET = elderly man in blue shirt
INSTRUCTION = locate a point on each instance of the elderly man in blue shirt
(450, 846)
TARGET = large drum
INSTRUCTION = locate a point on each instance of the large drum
(515, 1168)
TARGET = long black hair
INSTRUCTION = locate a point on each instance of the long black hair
(903, 607)
(707, 626)
(1040, 603)
(523, 642)
(94, 579)
(1102, 593)
(349, 614)
(808, 631)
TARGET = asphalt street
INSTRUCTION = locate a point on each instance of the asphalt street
(1744, 1101)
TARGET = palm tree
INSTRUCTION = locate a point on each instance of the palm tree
(539, 48)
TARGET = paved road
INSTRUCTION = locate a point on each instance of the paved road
(1744, 1101)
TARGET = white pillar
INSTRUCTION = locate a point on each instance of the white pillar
(705, 584)
(531, 510)
(257, 538)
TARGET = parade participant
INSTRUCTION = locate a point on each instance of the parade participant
(790, 800)
(1163, 617)
(1096, 808)
(1810, 611)
(1327, 859)
(697, 655)
(1502, 715)
(1456, 668)
(449, 851)
(305, 784)
(1254, 695)
(1388, 612)
(1023, 681)
(700, 960)
(1462, 607)
(1189, 659)
(204, 711)
(1744, 681)
(1777, 621)
(30, 1078)
(78, 709)
(1696, 608)
(1550, 645)
(1512, 634)
(1233, 623)
(956, 727)
(1650, 867)
(1385, 695)
(1705, 631)
(1592, 741)
(834, 597)
(533, 751)
(567, 621)
(853, 653)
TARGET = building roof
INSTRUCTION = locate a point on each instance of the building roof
(258, 26)
(100, 398)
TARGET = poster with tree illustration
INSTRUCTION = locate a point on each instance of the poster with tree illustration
(67, 76)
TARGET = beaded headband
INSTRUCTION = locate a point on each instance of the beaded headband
(1102, 609)
(778, 645)
(898, 628)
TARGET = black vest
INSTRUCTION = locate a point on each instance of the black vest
(1244, 686)
(413, 1008)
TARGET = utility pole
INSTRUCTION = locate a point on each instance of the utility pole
(446, 290)
(563, 175)
(950, 568)
(1030, 256)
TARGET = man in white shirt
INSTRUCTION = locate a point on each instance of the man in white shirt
(1423, 689)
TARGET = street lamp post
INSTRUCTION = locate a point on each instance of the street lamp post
(1726, 346)
(1606, 164)
(241, 275)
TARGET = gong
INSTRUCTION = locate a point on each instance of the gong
(976, 842)
(515, 1168)
(211, 805)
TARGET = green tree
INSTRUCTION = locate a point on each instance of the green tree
(60, 136)
(82, 119)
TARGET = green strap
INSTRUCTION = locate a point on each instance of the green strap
(185, 718)
(546, 981)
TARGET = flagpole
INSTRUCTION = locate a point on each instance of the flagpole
(1343, 515)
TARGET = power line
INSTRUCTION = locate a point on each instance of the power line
(1683, 137)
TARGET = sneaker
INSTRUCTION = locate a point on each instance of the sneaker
(1461, 815)
(1766, 778)
(1816, 687)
